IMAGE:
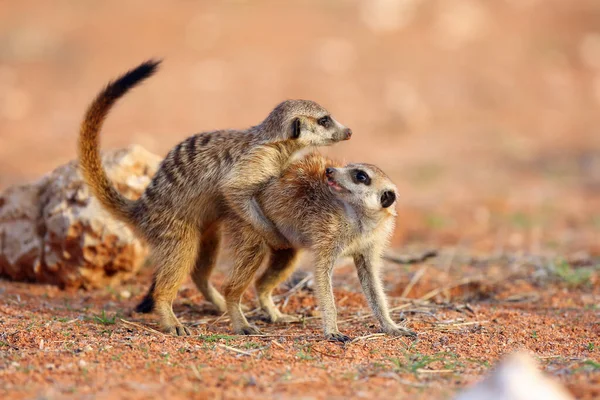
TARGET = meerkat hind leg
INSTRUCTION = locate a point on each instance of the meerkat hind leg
(175, 259)
(205, 263)
(281, 265)
(248, 258)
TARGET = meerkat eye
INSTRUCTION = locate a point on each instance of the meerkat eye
(362, 177)
(324, 121)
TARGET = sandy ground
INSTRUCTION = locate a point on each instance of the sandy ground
(485, 114)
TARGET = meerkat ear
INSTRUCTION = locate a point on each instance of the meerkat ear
(296, 128)
(387, 198)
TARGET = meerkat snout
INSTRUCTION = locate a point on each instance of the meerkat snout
(333, 182)
(388, 198)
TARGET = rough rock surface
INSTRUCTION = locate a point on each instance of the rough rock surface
(53, 231)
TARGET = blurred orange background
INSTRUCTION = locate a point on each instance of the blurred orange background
(485, 114)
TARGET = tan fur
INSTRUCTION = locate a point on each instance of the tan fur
(200, 179)
(333, 216)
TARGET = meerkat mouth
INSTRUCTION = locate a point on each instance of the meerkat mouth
(336, 186)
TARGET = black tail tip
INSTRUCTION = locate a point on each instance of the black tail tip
(131, 78)
(146, 305)
(149, 66)
(141, 72)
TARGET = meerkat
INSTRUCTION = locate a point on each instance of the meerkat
(200, 179)
(333, 211)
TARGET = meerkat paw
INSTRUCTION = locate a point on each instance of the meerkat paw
(248, 330)
(178, 330)
(337, 337)
(400, 331)
(285, 319)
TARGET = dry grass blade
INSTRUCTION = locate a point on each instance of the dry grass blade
(196, 372)
(416, 277)
(235, 350)
(140, 326)
(273, 342)
(522, 298)
(452, 327)
(435, 292)
(273, 335)
(222, 317)
(369, 315)
(395, 376)
(410, 259)
(326, 354)
(367, 337)
(434, 371)
(294, 289)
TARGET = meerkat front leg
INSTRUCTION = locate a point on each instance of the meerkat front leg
(281, 265)
(368, 265)
(324, 293)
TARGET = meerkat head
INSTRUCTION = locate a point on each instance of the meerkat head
(306, 122)
(363, 185)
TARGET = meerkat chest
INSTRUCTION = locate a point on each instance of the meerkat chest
(365, 234)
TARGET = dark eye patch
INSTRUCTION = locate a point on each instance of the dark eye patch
(325, 121)
(361, 176)
(387, 198)
(296, 128)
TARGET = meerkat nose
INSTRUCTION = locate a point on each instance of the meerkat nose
(348, 133)
(329, 171)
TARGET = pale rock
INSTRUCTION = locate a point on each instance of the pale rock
(516, 378)
(54, 231)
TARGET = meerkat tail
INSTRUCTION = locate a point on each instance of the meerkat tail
(90, 162)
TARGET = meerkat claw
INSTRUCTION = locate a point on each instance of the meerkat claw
(400, 331)
(177, 330)
(337, 337)
(249, 330)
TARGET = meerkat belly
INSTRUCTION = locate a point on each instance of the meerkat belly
(289, 216)
(291, 224)
(295, 236)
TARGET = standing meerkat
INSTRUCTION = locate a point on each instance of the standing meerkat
(201, 177)
(333, 211)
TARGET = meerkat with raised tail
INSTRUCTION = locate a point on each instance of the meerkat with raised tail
(200, 179)
(333, 211)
